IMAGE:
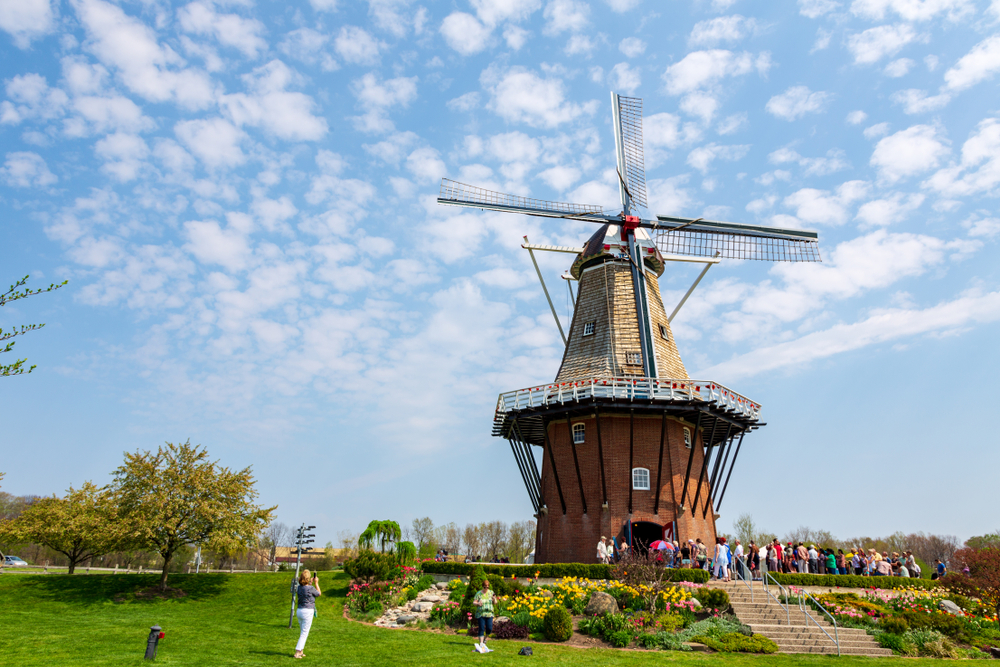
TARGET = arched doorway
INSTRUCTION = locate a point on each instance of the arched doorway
(642, 534)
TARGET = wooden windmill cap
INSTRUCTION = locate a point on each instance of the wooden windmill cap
(609, 242)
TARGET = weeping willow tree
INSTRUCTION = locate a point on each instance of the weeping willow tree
(406, 552)
(384, 533)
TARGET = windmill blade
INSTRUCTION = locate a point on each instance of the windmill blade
(454, 193)
(704, 238)
(627, 114)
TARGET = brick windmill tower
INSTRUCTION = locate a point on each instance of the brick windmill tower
(630, 446)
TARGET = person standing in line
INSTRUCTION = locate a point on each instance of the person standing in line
(911, 565)
(483, 601)
(831, 562)
(702, 554)
(813, 559)
(686, 554)
(940, 567)
(740, 561)
(721, 559)
(602, 550)
(307, 593)
(772, 556)
(803, 558)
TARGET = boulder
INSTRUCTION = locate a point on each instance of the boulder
(406, 618)
(995, 652)
(600, 603)
(501, 618)
(696, 602)
(950, 607)
(430, 598)
(441, 585)
(422, 606)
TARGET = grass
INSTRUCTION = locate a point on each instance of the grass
(243, 620)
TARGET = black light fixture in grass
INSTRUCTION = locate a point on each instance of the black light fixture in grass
(155, 635)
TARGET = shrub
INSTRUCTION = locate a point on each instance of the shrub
(895, 642)
(500, 585)
(509, 630)
(557, 571)
(475, 584)
(449, 612)
(424, 582)
(949, 626)
(712, 598)
(670, 622)
(605, 625)
(370, 567)
(735, 642)
(647, 640)
(851, 581)
(620, 639)
(558, 624)
(894, 625)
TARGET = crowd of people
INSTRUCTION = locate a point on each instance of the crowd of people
(752, 560)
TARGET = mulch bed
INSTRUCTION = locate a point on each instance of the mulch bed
(152, 593)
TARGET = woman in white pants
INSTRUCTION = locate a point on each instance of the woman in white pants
(307, 594)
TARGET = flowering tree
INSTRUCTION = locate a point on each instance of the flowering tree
(983, 578)
(175, 496)
(13, 294)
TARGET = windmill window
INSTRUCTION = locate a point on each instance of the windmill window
(687, 437)
(640, 479)
(588, 328)
(633, 358)
(664, 334)
(579, 434)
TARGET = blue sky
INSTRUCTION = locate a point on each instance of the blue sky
(242, 198)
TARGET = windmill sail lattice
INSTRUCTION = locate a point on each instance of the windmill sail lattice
(630, 117)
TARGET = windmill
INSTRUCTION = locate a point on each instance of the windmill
(623, 423)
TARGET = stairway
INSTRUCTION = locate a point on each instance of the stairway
(795, 632)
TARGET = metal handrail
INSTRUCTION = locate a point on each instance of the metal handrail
(629, 388)
(767, 575)
(741, 574)
(802, 606)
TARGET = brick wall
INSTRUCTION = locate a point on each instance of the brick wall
(573, 536)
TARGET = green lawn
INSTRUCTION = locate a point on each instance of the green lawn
(242, 620)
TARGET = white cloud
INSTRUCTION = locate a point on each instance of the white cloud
(982, 227)
(911, 10)
(917, 101)
(877, 130)
(515, 37)
(979, 64)
(324, 5)
(702, 105)
(97, 115)
(493, 12)
(732, 124)
(579, 45)
(213, 245)
(269, 105)
(874, 44)
(812, 166)
(25, 169)
(668, 196)
(856, 117)
(464, 33)
(392, 150)
(200, 18)
(632, 47)
(128, 45)
(823, 38)
(908, 152)
(30, 98)
(979, 169)
(356, 45)
(566, 15)
(622, 6)
(26, 20)
(815, 8)
(519, 95)
(701, 158)
(624, 78)
(899, 67)
(701, 69)
(215, 141)
(123, 155)
(796, 102)
(821, 207)
(466, 102)
(721, 29)
(889, 210)
(882, 327)
(426, 165)
(662, 130)
(377, 97)
(514, 147)
(560, 178)
(309, 46)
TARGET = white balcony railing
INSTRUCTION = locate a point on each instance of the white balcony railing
(628, 389)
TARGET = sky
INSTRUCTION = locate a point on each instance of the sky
(242, 197)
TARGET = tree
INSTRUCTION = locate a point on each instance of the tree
(176, 496)
(13, 294)
(983, 579)
(520, 540)
(82, 526)
(422, 531)
(746, 530)
(472, 540)
(494, 536)
(988, 541)
(276, 535)
(385, 533)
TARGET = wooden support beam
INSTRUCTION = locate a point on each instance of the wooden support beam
(555, 470)
(705, 461)
(687, 475)
(659, 465)
(600, 456)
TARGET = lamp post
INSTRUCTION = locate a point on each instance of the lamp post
(301, 538)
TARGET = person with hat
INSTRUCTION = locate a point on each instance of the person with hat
(602, 550)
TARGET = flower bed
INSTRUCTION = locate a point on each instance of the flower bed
(554, 571)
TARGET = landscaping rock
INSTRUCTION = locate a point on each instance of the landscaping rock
(995, 652)
(696, 602)
(601, 603)
(441, 585)
(422, 606)
(498, 619)
(950, 607)
(405, 618)
(430, 598)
